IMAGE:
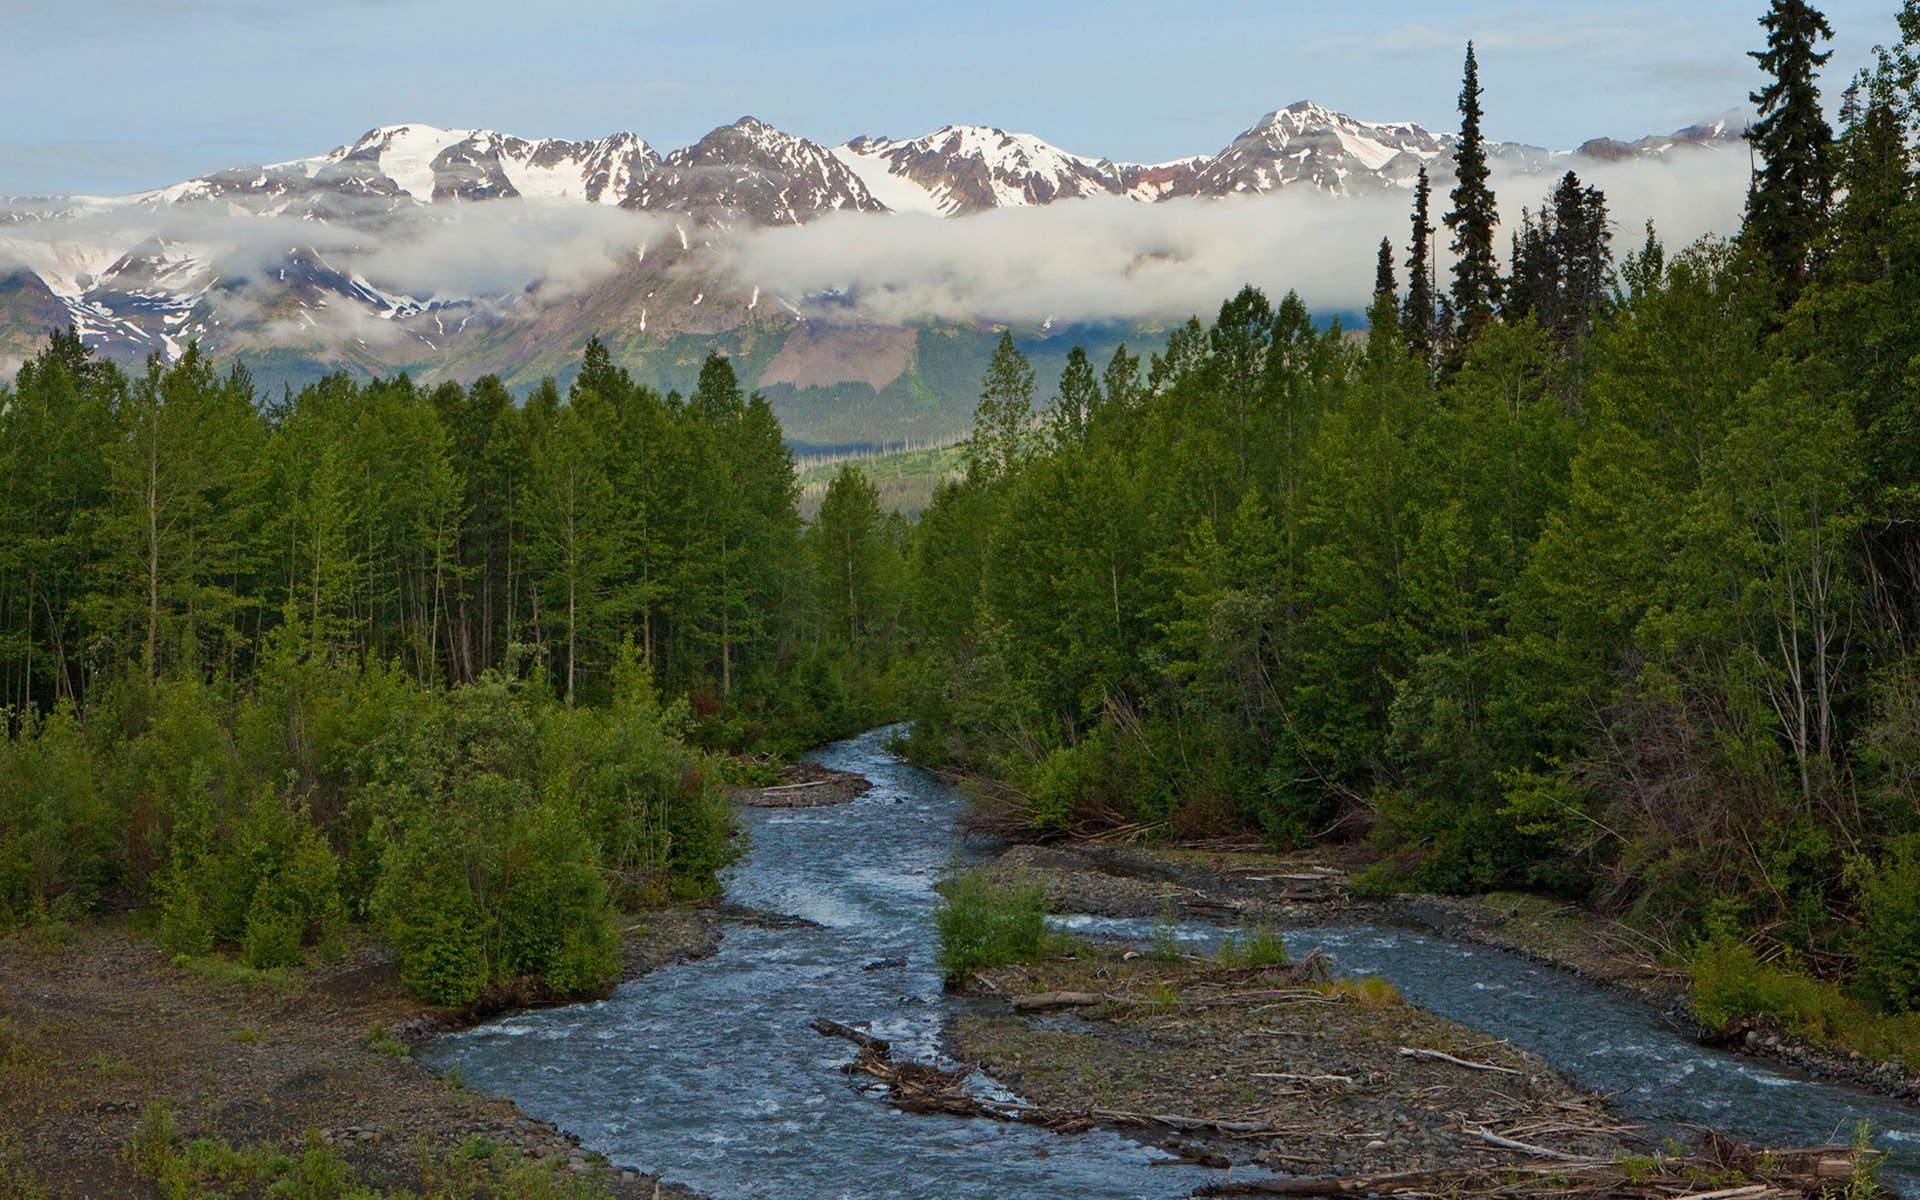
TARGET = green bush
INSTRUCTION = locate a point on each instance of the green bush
(184, 928)
(1731, 982)
(428, 912)
(57, 833)
(272, 935)
(982, 924)
(556, 923)
(1889, 950)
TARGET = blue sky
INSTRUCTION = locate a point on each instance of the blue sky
(108, 96)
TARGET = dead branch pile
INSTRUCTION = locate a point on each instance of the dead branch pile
(1720, 1170)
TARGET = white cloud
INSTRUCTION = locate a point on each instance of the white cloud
(1114, 259)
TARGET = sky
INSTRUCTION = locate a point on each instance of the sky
(111, 96)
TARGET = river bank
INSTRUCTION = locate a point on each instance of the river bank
(98, 1027)
(1315, 887)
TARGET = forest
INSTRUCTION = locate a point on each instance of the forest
(1597, 577)
(1591, 567)
(433, 661)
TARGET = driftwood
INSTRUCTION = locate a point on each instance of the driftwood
(1440, 1056)
(859, 1037)
(1507, 1143)
(1042, 1001)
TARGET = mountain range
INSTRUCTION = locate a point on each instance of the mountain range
(329, 262)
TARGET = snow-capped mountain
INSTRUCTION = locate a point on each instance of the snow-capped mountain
(424, 164)
(289, 262)
(753, 172)
(1307, 144)
(968, 168)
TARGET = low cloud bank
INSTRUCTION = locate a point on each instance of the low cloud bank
(463, 250)
(1108, 258)
(1102, 259)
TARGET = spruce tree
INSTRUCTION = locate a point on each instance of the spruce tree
(1561, 261)
(1078, 401)
(1386, 290)
(1416, 319)
(1476, 273)
(1383, 315)
(1874, 173)
(1790, 203)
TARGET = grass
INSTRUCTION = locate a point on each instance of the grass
(1262, 947)
(983, 924)
(380, 1040)
(1730, 982)
(219, 968)
(182, 1169)
(1370, 991)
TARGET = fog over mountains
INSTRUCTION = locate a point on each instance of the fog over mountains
(453, 253)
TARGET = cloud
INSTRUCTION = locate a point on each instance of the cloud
(491, 251)
(1104, 259)
(1114, 259)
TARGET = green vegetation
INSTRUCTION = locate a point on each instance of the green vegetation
(425, 662)
(1597, 579)
(181, 1169)
(983, 924)
(1258, 947)
(1731, 983)
(904, 480)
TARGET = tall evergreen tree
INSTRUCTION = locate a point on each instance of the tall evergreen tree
(1476, 273)
(1383, 315)
(1416, 318)
(1790, 203)
(1562, 261)
(1079, 398)
(1386, 291)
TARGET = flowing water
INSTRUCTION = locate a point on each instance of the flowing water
(706, 1072)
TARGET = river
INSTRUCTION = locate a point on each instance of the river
(706, 1073)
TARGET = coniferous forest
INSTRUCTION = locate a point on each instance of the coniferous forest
(1599, 578)
(1591, 568)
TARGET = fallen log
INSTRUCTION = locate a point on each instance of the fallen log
(1041, 1001)
(859, 1037)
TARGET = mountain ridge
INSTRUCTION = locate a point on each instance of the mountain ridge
(284, 265)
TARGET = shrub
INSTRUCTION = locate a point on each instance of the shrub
(184, 928)
(983, 924)
(555, 920)
(272, 935)
(1731, 982)
(153, 1139)
(428, 913)
(1889, 950)
(56, 832)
